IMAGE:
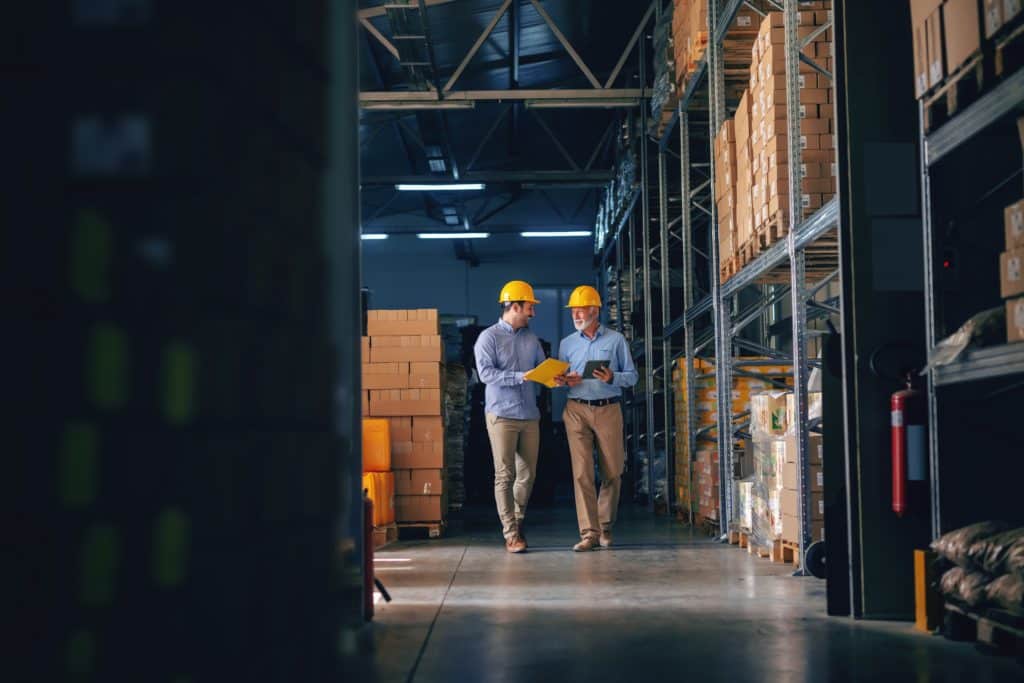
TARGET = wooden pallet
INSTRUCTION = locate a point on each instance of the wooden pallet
(382, 535)
(740, 537)
(433, 529)
(959, 89)
(776, 551)
(791, 553)
(994, 630)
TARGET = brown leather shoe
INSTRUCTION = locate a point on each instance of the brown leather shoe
(586, 544)
(515, 544)
(606, 538)
(522, 536)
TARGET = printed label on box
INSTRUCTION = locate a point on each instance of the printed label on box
(1013, 268)
(1010, 8)
(1018, 315)
(992, 19)
(1017, 223)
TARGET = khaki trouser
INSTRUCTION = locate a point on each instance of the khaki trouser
(515, 444)
(583, 425)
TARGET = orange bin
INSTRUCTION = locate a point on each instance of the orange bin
(381, 488)
(376, 445)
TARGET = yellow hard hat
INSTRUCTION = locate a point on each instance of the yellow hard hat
(516, 290)
(584, 295)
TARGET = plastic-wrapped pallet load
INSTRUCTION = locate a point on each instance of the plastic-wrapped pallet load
(455, 431)
(767, 430)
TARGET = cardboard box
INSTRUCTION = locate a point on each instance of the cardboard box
(428, 430)
(791, 477)
(1013, 221)
(402, 322)
(790, 504)
(376, 445)
(961, 31)
(366, 403)
(1011, 277)
(425, 375)
(419, 508)
(365, 352)
(413, 348)
(936, 62)
(1015, 320)
(402, 402)
(791, 529)
(400, 429)
(385, 375)
(1011, 8)
(420, 455)
(993, 10)
(419, 482)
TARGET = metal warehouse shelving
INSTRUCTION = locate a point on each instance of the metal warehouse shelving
(1004, 361)
(786, 258)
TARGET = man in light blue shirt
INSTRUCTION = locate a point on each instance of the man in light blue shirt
(505, 352)
(593, 415)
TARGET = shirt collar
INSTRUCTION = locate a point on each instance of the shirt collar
(600, 331)
(505, 326)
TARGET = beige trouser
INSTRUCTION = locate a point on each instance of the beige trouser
(515, 444)
(584, 424)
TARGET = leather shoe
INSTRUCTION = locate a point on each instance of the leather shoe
(586, 544)
(522, 536)
(515, 544)
(606, 538)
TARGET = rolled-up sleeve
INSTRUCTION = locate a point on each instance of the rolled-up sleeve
(486, 366)
(627, 375)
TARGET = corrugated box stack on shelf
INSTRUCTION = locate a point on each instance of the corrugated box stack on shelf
(768, 135)
(689, 37)
(1011, 277)
(948, 41)
(456, 394)
(403, 382)
(725, 189)
(665, 95)
(704, 480)
(791, 475)
(378, 479)
(775, 496)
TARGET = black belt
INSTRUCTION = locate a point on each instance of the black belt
(599, 402)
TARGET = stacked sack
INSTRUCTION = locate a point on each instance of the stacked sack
(984, 565)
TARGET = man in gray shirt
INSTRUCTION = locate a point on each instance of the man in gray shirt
(506, 351)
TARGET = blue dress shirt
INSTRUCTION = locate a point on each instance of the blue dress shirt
(607, 345)
(503, 356)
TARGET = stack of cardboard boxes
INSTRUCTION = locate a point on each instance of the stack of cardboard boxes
(725, 188)
(769, 141)
(947, 34)
(700, 488)
(689, 36)
(1011, 280)
(378, 479)
(403, 383)
(791, 490)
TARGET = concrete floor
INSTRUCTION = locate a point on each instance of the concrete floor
(662, 605)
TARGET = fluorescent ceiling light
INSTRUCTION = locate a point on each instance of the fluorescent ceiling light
(558, 233)
(439, 187)
(453, 235)
(374, 236)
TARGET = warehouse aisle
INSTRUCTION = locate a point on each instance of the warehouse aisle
(662, 605)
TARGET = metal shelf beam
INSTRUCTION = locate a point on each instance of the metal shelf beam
(999, 361)
(1005, 98)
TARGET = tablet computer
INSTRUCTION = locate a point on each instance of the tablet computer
(592, 365)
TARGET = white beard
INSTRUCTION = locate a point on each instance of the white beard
(583, 324)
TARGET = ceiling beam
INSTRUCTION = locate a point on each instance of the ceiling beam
(518, 94)
(381, 10)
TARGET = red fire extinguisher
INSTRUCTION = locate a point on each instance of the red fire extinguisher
(909, 433)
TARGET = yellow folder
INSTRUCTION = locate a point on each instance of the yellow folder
(546, 372)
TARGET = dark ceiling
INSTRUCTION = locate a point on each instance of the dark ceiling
(431, 144)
